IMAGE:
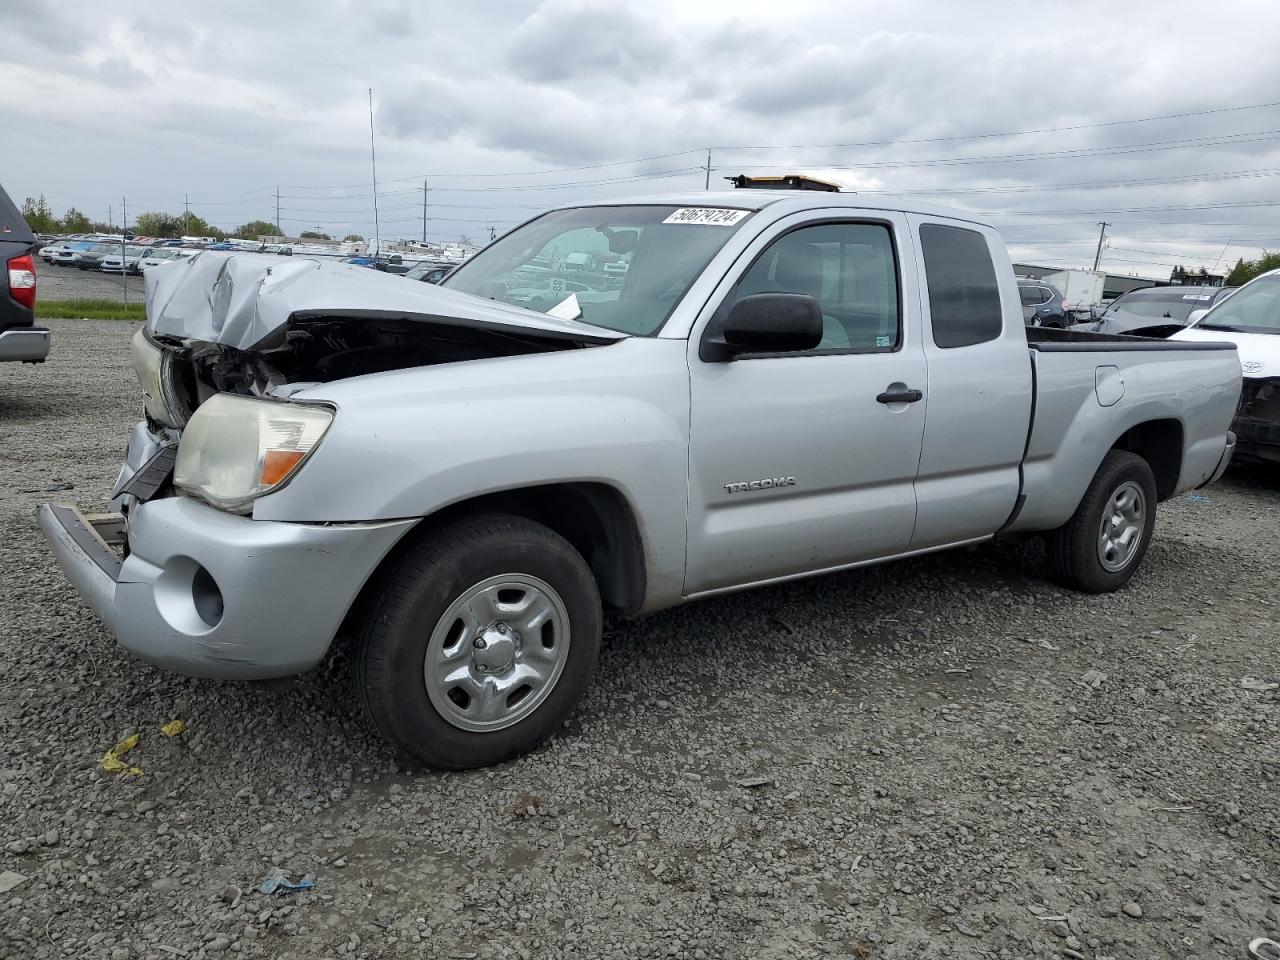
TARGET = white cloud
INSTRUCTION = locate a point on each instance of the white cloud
(225, 101)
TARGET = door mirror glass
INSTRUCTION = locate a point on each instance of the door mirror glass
(770, 323)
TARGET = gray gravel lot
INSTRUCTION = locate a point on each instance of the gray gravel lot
(69, 283)
(942, 757)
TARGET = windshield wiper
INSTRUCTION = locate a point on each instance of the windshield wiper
(1221, 326)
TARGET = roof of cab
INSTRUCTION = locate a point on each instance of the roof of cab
(792, 201)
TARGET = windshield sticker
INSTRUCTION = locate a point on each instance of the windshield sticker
(883, 342)
(711, 216)
(1197, 296)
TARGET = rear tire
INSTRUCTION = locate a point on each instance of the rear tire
(480, 642)
(1101, 547)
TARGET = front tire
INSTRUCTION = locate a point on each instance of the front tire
(480, 643)
(1100, 548)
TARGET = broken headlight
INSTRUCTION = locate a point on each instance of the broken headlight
(236, 449)
(154, 367)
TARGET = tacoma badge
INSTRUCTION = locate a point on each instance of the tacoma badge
(768, 483)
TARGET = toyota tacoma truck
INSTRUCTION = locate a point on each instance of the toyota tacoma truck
(20, 338)
(730, 389)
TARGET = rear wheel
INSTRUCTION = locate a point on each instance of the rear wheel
(1100, 548)
(480, 643)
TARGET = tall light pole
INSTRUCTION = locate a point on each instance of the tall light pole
(373, 163)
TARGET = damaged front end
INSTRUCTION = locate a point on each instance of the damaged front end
(1257, 421)
(247, 325)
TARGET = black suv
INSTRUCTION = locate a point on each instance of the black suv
(1041, 304)
(20, 338)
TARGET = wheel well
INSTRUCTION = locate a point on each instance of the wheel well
(594, 517)
(1159, 442)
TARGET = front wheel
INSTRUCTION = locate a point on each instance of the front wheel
(480, 643)
(1100, 548)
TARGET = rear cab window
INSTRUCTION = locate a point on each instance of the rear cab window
(964, 297)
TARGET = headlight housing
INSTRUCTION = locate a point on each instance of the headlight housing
(236, 449)
(154, 367)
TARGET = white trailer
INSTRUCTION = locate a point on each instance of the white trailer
(1081, 290)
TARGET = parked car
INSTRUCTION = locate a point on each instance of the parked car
(20, 338)
(50, 250)
(466, 485)
(1042, 304)
(1250, 318)
(156, 256)
(90, 257)
(1153, 309)
(427, 272)
(66, 255)
(130, 261)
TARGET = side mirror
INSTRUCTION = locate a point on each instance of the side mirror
(764, 323)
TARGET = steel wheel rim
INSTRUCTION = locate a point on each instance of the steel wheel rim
(497, 652)
(1123, 520)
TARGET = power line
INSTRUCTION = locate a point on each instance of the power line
(827, 146)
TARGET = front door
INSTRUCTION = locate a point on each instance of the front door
(805, 461)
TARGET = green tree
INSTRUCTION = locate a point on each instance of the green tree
(75, 222)
(255, 229)
(1246, 270)
(353, 238)
(156, 223)
(38, 215)
(313, 235)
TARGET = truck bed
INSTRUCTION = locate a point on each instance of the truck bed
(1091, 389)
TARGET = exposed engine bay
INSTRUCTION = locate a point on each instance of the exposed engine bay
(249, 325)
(319, 350)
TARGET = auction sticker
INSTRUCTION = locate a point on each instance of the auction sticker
(711, 216)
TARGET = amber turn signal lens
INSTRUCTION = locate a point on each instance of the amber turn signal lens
(277, 464)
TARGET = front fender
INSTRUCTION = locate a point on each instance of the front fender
(411, 442)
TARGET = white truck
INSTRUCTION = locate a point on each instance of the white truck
(783, 384)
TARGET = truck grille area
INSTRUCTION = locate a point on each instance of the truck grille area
(1257, 421)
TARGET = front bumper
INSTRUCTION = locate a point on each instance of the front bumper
(28, 344)
(208, 594)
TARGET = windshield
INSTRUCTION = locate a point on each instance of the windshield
(1254, 308)
(1174, 306)
(627, 267)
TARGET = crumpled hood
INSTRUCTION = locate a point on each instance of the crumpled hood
(246, 300)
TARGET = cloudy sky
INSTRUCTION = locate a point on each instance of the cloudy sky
(1162, 118)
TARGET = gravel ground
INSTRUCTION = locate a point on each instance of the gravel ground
(942, 757)
(68, 283)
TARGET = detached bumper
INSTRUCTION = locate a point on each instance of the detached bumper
(28, 344)
(208, 594)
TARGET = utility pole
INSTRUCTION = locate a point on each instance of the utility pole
(424, 211)
(186, 214)
(111, 216)
(124, 263)
(706, 183)
(1101, 236)
(493, 234)
(278, 230)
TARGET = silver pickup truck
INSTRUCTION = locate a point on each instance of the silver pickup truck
(617, 406)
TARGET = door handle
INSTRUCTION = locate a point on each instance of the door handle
(900, 396)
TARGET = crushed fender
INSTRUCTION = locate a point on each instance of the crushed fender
(112, 763)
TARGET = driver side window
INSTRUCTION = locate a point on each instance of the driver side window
(849, 268)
